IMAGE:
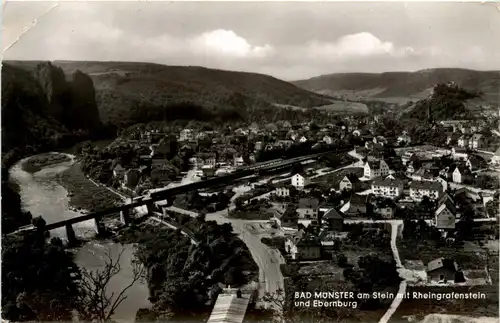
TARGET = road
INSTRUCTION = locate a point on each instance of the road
(268, 259)
(402, 285)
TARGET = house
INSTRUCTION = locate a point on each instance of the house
(380, 140)
(443, 183)
(407, 157)
(496, 158)
(349, 182)
(238, 161)
(463, 141)
(333, 219)
(476, 141)
(161, 149)
(186, 135)
(291, 243)
(304, 246)
(290, 218)
(442, 270)
(208, 171)
(118, 171)
(161, 174)
(386, 187)
(303, 139)
(445, 214)
(259, 145)
(455, 124)
(403, 139)
(419, 189)
(328, 140)
(458, 174)
(309, 247)
(299, 181)
(240, 132)
(206, 159)
(283, 191)
(410, 168)
(356, 205)
(374, 169)
(131, 178)
(458, 153)
(385, 208)
(475, 162)
(308, 209)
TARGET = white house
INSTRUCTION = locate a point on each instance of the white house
(283, 191)
(463, 141)
(459, 153)
(300, 181)
(496, 158)
(419, 189)
(476, 141)
(186, 135)
(303, 139)
(328, 140)
(238, 161)
(404, 138)
(118, 171)
(374, 169)
(457, 175)
(443, 183)
(387, 187)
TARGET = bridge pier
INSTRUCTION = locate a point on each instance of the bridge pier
(150, 207)
(71, 235)
(125, 216)
(99, 227)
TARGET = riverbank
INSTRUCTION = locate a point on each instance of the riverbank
(38, 162)
(83, 194)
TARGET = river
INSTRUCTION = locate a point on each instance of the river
(41, 194)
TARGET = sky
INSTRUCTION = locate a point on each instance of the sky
(290, 41)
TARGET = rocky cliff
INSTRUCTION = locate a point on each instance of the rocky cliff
(41, 110)
(82, 112)
(72, 103)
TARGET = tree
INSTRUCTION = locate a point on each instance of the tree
(341, 260)
(96, 303)
(39, 279)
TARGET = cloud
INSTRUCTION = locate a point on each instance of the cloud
(353, 46)
(227, 43)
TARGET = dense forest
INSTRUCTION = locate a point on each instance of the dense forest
(447, 102)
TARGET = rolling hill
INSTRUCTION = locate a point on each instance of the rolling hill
(401, 87)
(128, 92)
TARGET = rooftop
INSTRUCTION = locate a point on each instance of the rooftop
(306, 203)
(426, 185)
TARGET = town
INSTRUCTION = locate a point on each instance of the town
(244, 162)
(437, 196)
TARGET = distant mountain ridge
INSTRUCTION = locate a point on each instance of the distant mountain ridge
(129, 92)
(403, 85)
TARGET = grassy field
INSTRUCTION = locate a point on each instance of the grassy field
(36, 163)
(83, 193)
(345, 107)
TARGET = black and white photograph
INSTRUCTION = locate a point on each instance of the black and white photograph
(250, 162)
